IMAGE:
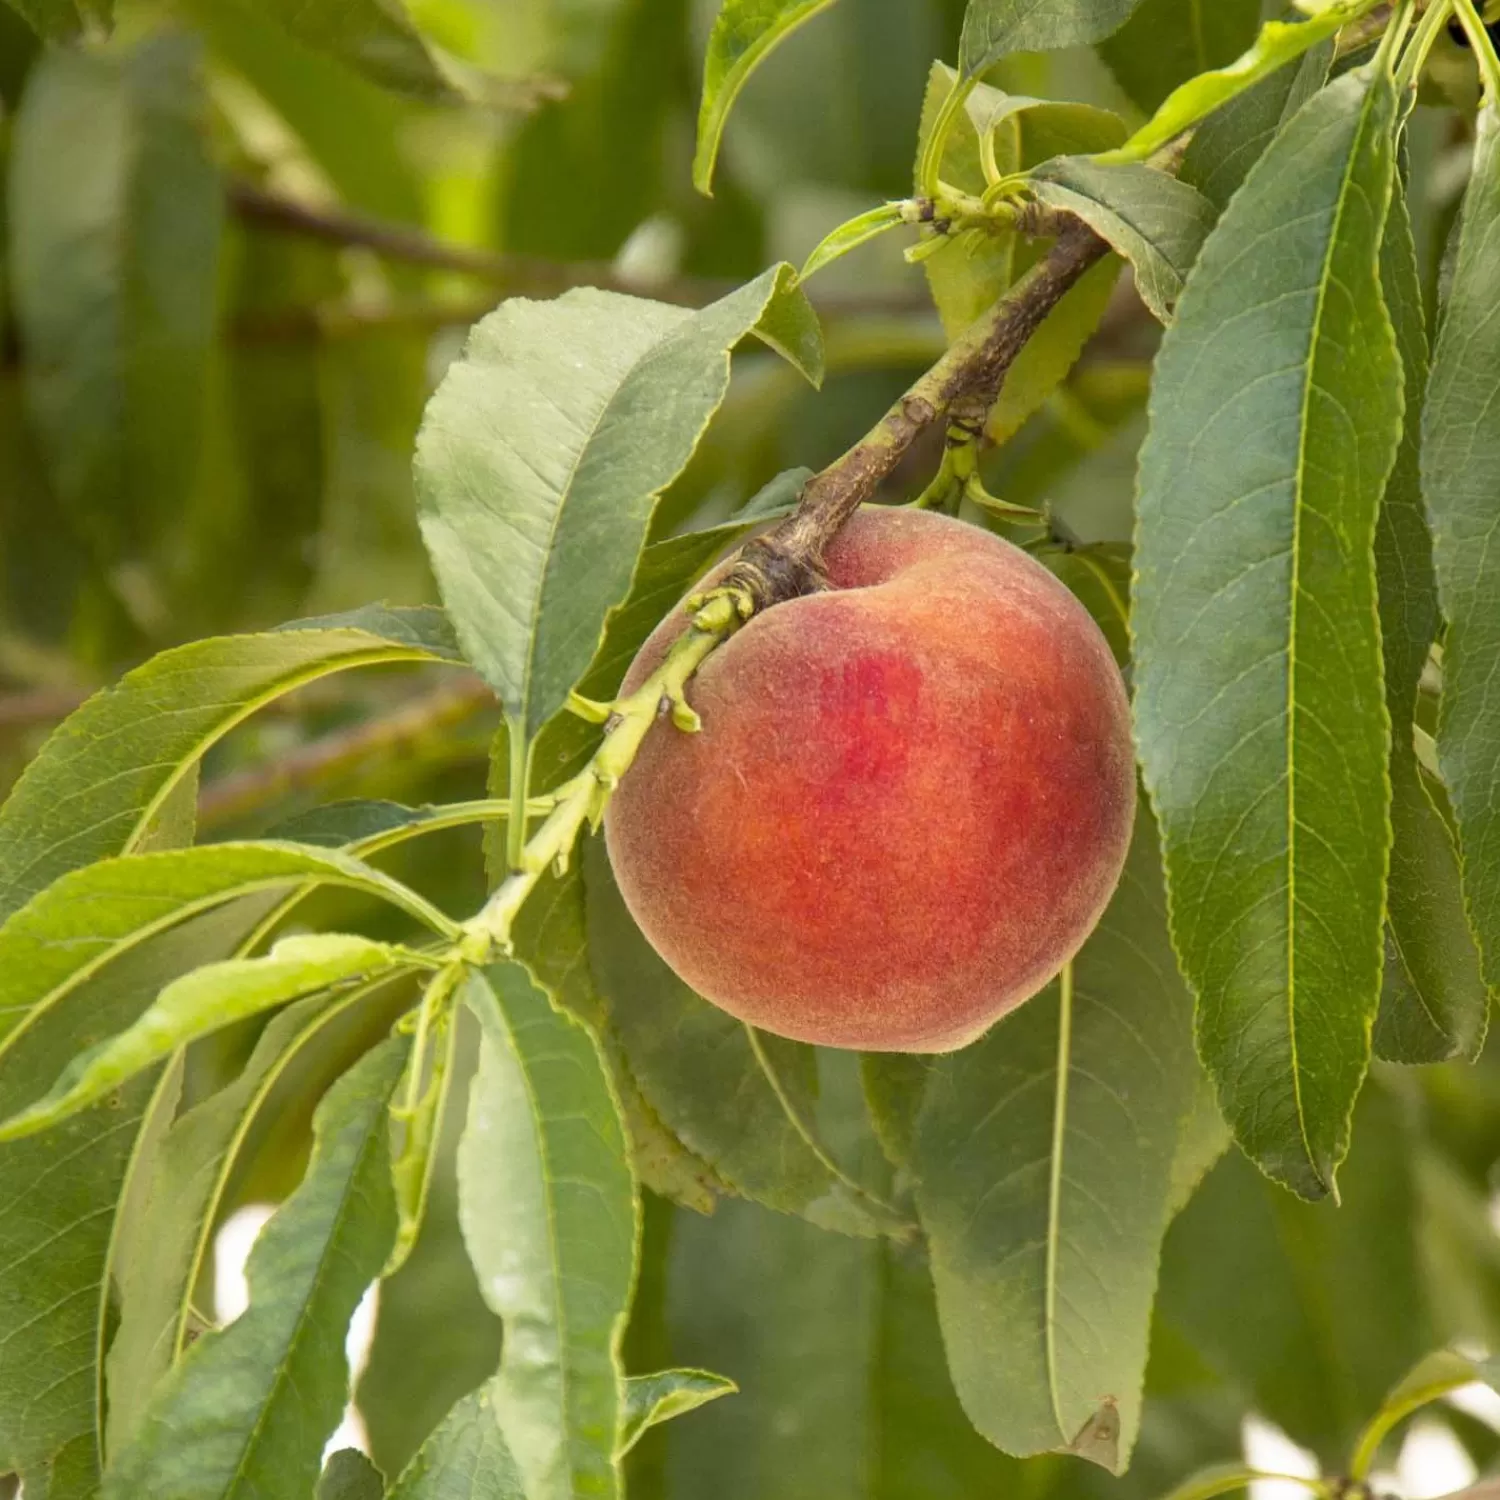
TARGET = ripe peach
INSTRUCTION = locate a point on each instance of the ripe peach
(909, 802)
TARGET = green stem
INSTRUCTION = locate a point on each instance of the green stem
(932, 155)
(1484, 48)
(515, 833)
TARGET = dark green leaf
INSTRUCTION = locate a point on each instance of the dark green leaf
(740, 1100)
(1434, 1004)
(1230, 141)
(114, 280)
(465, 1459)
(543, 453)
(1259, 705)
(1043, 1160)
(1156, 222)
(551, 1219)
(211, 997)
(650, 1399)
(1460, 454)
(250, 1407)
(744, 32)
(995, 28)
(1167, 42)
(349, 1475)
(105, 774)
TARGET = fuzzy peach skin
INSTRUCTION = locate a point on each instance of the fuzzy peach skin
(909, 803)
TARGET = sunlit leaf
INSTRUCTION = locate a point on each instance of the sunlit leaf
(650, 1399)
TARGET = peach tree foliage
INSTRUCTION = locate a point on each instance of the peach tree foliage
(1196, 1175)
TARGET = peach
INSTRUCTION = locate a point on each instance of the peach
(909, 802)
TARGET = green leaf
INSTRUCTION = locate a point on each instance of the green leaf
(650, 1399)
(250, 1407)
(1167, 42)
(1460, 450)
(1043, 1159)
(58, 1251)
(739, 1100)
(1156, 222)
(995, 28)
(209, 998)
(90, 918)
(1231, 140)
(60, 20)
(1259, 704)
(551, 1219)
(103, 776)
(543, 453)
(1220, 1479)
(465, 1459)
(744, 33)
(349, 1475)
(114, 280)
(1434, 1004)
(1279, 43)
(850, 235)
(1431, 1378)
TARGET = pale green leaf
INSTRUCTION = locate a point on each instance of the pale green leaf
(551, 1219)
(349, 1475)
(995, 28)
(543, 453)
(1220, 1479)
(744, 32)
(1430, 1379)
(210, 997)
(114, 280)
(1279, 43)
(850, 235)
(465, 1459)
(739, 1100)
(1434, 1004)
(249, 1408)
(1156, 222)
(1167, 42)
(103, 776)
(1260, 710)
(650, 1399)
(1460, 455)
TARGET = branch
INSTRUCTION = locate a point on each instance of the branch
(788, 560)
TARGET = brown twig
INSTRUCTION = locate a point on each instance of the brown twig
(788, 560)
(244, 792)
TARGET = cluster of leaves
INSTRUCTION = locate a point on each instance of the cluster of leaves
(969, 1261)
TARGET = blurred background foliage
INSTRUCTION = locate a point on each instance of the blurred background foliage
(234, 269)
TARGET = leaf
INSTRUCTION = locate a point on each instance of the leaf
(1460, 448)
(741, 1101)
(1231, 140)
(1167, 42)
(543, 452)
(59, 20)
(1435, 1004)
(995, 28)
(114, 281)
(1259, 704)
(1156, 222)
(250, 1407)
(1279, 43)
(650, 1399)
(103, 775)
(850, 235)
(1431, 1378)
(349, 1475)
(465, 1459)
(1043, 1160)
(743, 35)
(551, 1219)
(205, 1000)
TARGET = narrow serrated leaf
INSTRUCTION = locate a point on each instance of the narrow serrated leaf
(995, 28)
(203, 1001)
(1260, 707)
(1043, 1158)
(650, 1399)
(542, 455)
(1460, 458)
(850, 235)
(743, 35)
(551, 1218)
(465, 1459)
(248, 1410)
(1156, 222)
